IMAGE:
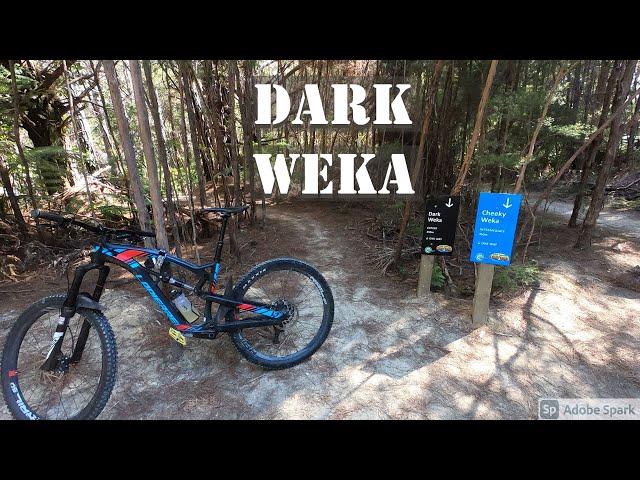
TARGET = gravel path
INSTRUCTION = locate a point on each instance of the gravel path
(389, 355)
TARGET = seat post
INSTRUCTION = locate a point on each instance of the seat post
(218, 254)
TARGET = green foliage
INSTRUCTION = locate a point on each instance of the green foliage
(508, 279)
(522, 104)
(112, 212)
(576, 131)
(23, 83)
(508, 160)
(74, 204)
(437, 277)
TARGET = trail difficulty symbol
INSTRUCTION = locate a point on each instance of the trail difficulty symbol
(441, 219)
(495, 228)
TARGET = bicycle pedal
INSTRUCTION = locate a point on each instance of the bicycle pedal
(177, 336)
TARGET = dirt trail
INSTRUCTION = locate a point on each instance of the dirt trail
(389, 355)
(621, 221)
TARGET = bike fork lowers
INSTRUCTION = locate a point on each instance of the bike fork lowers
(68, 311)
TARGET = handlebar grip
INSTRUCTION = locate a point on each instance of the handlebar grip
(47, 216)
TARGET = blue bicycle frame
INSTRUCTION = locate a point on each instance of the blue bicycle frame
(150, 266)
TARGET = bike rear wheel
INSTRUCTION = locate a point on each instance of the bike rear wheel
(299, 287)
(76, 389)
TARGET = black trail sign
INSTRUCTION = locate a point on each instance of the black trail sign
(440, 221)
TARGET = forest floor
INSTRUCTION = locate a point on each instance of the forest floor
(389, 354)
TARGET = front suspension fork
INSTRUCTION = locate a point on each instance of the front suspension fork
(68, 311)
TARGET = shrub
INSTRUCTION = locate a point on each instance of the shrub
(437, 277)
(508, 279)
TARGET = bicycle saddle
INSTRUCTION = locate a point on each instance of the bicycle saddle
(226, 210)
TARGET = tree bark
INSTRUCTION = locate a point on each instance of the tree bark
(191, 116)
(615, 135)
(237, 200)
(187, 164)
(633, 131)
(135, 186)
(417, 166)
(13, 200)
(162, 151)
(248, 132)
(16, 134)
(532, 145)
(147, 147)
(565, 166)
(82, 163)
(464, 168)
(605, 90)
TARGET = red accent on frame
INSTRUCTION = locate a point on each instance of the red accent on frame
(182, 327)
(245, 306)
(127, 254)
(13, 373)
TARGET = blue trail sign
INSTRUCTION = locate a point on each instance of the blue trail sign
(496, 222)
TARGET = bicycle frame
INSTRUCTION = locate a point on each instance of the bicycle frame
(148, 266)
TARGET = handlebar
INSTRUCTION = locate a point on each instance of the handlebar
(98, 229)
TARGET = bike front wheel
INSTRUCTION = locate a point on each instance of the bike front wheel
(77, 386)
(298, 287)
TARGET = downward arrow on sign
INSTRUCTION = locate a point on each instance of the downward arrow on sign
(450, 203)
(507, 204)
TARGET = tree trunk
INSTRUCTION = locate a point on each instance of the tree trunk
(197, 158)
(615, 135)
(82, 163)
(605, 90)
(523, 168)
(135, 186)
(162, 151)
(464, 168)
(13, 200)
(187, 164)
(565, 166)
(16, 134)
(417, 166)
(248, 132)
(147, 147)
(633, 131)
(237, 200)
(43, 120)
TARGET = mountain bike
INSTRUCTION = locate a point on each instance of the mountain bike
(59, 360)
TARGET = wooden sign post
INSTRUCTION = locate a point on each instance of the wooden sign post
(493, 234)
(438, 235)
(424, 276)
(482, 295)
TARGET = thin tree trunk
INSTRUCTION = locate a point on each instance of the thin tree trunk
(464, 168)
(135, 186)
(532, 145)
(188, 99)
(237, 200)
(565, 166)
(417, 166)
(162, 152)
(13, 200)
(615, 135)
(232, 132)
(82, 163)
(147, 147)
(187, 164)
(248, 133)
(16, 135)
(633, 130)
(605, 90)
